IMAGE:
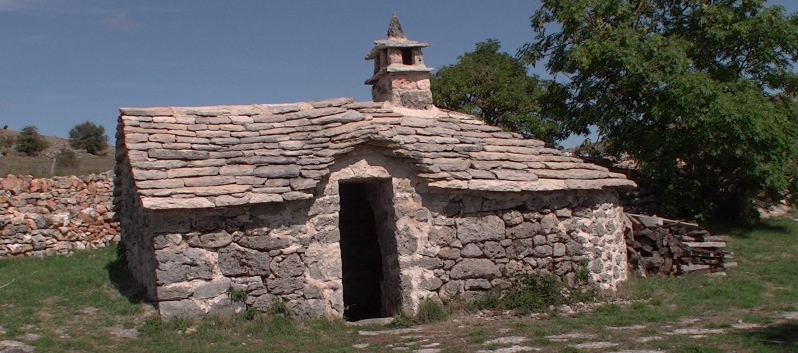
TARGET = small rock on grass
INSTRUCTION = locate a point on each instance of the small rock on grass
(507, 340)
(29, 337)
(696, 331)
(566, 336)
(382, 321)
(360, 345)
(398, 331)
(594, 345)
(119, 332)
(647, 339)
(624, 328)
(14, 347)
(512, 349)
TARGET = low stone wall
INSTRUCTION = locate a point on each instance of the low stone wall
(42, 217)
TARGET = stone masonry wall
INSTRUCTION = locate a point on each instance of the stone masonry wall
(136, 234)
(42, 217)
(446, 244)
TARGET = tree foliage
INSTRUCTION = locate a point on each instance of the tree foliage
(88, 136)
(693, 90)
(29, 142)
(494, 86)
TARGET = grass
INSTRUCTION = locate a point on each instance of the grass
(39, 166)
(75, 303)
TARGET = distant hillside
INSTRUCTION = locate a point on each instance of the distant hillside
(40, 166)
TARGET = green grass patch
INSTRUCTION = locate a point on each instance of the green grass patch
(431, 311)
(75, 302)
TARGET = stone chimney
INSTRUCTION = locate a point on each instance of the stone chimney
(400, 76)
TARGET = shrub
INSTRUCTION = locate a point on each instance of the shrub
(532, 293)
(66, 159)
(401, 321)
(6, 142)
(88, 136)
(29, 142)
(535, 293)
(431, 311)
(490, 300)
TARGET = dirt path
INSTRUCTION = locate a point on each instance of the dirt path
(508, 334)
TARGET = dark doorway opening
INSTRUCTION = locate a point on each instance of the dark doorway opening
(361, 257)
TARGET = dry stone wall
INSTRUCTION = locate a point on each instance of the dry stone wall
(42, 217)
(435, 245)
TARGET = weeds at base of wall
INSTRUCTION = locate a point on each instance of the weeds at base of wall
(431, 311)
(279, 308)
(428, 311)
(532, 293)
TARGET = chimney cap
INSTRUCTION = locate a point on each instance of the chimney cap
(395, 29)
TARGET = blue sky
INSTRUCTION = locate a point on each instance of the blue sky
(63, 62)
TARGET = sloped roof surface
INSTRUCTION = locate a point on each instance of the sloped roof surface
(232, 155)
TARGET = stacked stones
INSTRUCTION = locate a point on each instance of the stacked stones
(667, 247)
(449, 245)
(42, 217)
(497, 239)
(235, 155)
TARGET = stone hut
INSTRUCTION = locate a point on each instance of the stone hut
(353, 209)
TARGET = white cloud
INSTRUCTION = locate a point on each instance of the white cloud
(123, 23)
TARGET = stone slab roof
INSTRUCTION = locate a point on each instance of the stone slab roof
(200, 157)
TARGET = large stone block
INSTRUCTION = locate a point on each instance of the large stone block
(493, 250)
(520, 248)
(235, 260)
(211, 240)
(264, 242)
(549, 223)
(523, 230)
(285, 285)
(478, 229)
(181, 308)
(450, 290)
(471, 250)
(183, 265)
(292, 266)
(475, 268)
(212, 289)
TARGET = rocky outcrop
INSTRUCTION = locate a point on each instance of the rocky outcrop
(42, 217)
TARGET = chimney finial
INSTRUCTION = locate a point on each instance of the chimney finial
(395, 28)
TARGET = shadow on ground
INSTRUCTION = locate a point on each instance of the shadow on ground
(123, 280)
(743, 230)
(784, 336)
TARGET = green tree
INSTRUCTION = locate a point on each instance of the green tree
(29, 142)
(693, 90)
(494, 86)
(88, 136)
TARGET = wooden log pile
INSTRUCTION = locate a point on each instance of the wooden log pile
(667, 247)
